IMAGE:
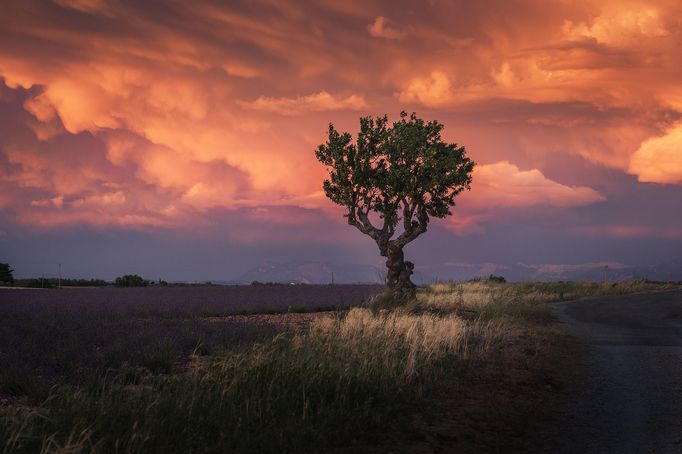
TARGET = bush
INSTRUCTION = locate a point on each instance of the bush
(131, 280)
(6, 277)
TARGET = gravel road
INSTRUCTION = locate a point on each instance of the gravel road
(631, 398)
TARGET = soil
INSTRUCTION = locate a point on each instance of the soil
(292, 320)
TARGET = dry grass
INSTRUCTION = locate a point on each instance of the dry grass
(343, 376)
(521, 300)
(426, 338)
(302, 391)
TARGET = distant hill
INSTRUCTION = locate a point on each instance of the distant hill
(310, 272)
(612, 271)
(305, 272)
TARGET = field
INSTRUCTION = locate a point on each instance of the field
(76, 335)
(187, 369)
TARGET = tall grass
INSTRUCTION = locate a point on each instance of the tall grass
(298, 392)
(524, 300)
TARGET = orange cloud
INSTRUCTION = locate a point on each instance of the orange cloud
(433, 90)
(176, 113)
(620, 25)
(54, 201)
(99, 200)
(380, 29)
(659, 160)
(86, 6)
(501, 189)
(503, 184)
(318, 102)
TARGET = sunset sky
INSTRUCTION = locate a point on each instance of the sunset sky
(175, 139)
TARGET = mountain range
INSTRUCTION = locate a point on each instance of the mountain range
(310, 272)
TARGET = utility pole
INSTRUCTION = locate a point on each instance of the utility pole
(606, 268)
(332, 278)
(60, 276)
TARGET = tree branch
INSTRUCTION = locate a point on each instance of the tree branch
(416, 228)
(407, 215)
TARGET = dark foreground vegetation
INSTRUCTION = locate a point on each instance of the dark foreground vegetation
(141, 371)
(80, 335)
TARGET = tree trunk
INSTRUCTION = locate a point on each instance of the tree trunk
(398, 281)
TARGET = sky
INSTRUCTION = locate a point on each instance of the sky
(176, 139)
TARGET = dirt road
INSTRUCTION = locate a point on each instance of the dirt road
(631, 397)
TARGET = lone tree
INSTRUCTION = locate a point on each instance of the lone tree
(392, 173)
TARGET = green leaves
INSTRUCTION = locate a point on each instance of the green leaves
(400, 171)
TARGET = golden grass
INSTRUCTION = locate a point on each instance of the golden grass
(426, 337)
(522, 299)
(306, 390)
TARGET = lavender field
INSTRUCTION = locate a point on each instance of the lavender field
(189, 301)
(78, 335)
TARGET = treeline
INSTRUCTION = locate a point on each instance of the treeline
(55, 282)
(128, 280)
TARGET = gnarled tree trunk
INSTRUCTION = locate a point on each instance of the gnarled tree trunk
(398, 282)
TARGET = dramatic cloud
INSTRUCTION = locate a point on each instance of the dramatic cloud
(169, 114)
(319, 102)
(380, 29)
(434, 90)
(502, 189)
(504, 185)
(659, 160)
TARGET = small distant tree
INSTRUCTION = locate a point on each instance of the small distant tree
(6, 277)
(400, 172)
(130, 280)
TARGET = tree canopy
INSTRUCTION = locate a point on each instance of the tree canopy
(400, 172)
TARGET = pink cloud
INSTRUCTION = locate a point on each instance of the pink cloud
(502, 190)
(57, 201)
(174, 118)
(503, 184)
(380, 28)
(318, 102)
(659, 159)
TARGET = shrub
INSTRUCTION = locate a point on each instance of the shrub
(131, 280)
(6, 277)
(498, 279)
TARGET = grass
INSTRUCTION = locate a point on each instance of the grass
(297, 392)
(524, 300)
(343, 377)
